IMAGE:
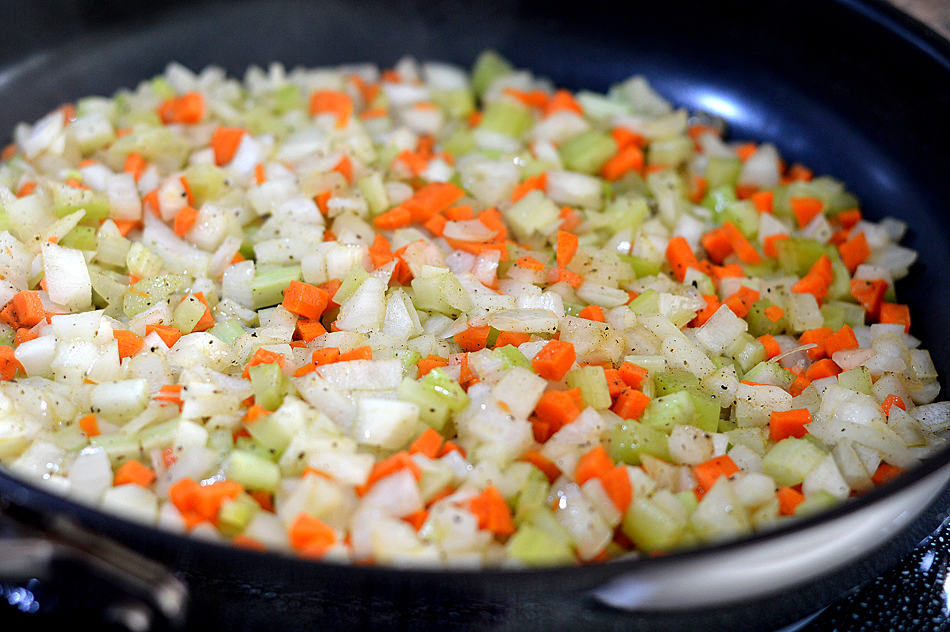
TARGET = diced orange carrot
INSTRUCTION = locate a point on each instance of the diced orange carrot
(135, 165)
(492, 511)
(9, 365)
(769, 245)
(358, 353)
(129, 343)
(632, 374)
(307, 330)
(566, 247)
(593, 312)
(703, 315)
(799, 172)
(593, 464)
(627, 159)
(763, 201)
(24, 334)
(855, 251)
(822, 368)
(891, 401)
(745, 151)
(616, 483)
(816, 336)
(390, 465)
(398, 217)
(473, 338)
(885, 473)
(554, 360)
(167, 333)
(263, 356)
(529, 263)
(870, 294)
(774, 313)
(741, 302)
(555, 409)
(431, 362)
(513, 338)
(535, 183)
(805, 209)
(225, 142)
(89, 425)
(327, 355)
(630, 404)
(708, 473)
(305, 300)
(329, 101)
(895, 314)
(772, 347)
(717, 245)
(681, 257)
(310, 533)
(789, 423)
(170, 393)
(841, 340)
(788, 500)
(615, 383)
(563, 100)
(742, 247)
(25, 309)
(547, 466)
(849, 217)
(428, 443)
(133, 472)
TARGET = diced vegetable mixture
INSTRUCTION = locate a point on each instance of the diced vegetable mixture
(422, 316)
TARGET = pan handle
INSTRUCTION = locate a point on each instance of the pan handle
(147, 596)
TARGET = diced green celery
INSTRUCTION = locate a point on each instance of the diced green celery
(532, 495)
(409, 359)
(642, 267)
(5, 223)
(670, 152)
(506, 117)
(626, 211)
(433, 409)
(718, 200)
(207, 182)
(162, 89)
(535, 547)
(646, 303)
(120, 447)
(700, 281)
(159, 436)
(669, 410)
(722, 171)
(149, 292)
(267, 382)
(745, 217)
(236, 513)
(489, 66)
(797, 254)
(770, 373)
(510, 355)
(269, 432)
(443, 386)
(221, 440)
(371, 186)
(840, 288)
(156, 143)
(227, 331)
(250, 445)
(760, 324)
(573, 309)
(80, 238)
(70, 438)
(543, 518)
(187, 314)
(840, 313)
(252, 471)
(688, 498)
(456, 103)
(707, 410)
(67, 200)
(629, 439)
(593, 384)
(588, 151)
(287, 98)
(746, 351)
(790, 460)
(600, 107)
(651, 527)
(534, 213)
(815, 503)
(459, 143)
(270, 282)
(107, 290)
(672, 381)
(857, 379)
(110, 246)
(492, 337)
(351, 282)
(142, 262)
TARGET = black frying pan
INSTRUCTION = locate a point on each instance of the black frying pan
(853, 89)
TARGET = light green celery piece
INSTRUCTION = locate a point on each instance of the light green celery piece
(248, 444)
(68, 200)
(790, 460)
(159, 436)
(142, 262)
(155, 142)
(533, 213)
(80, 238)
(149, 292)
(670, 152)
(409, 358)
(707, 409)
(510, 355)
(206, 182)
(650, 526)
(268, 385)
(111, 247)
(857, 379)
(120, 447)
(433, 409)
(459, 143)
(108, 291)
(626, 211)
(5, 223)
(351, 282)
(722, 171)
(252, 471)
(489, 66)
(600, 107)
(718, 199)
(588, 151)
(667, 382)
(838, 313)
(646, 303)
(371, 186)
(162, 89)
(270, 433)
(760, 324)
(629, 439)
(745, 217)
(817, 502)
(770, 373)
(746, 351)
(506, 117)
(70, 438)
(536, 547)
(439, 383)
(593, 384)
(287, 98)
(670, 410)
(643, 268)
(187, 314)
(456, 103)
(236, 513)
(269, 284)
(797, 254)
(532, 495)
(227, 331)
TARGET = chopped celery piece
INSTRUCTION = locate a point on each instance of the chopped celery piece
(506, 117)
(206, 182)
(718, 200)
(70, 438)
(67, 200)
(159, 435)
(790, 460)
(409, 359)
(745, 217)
(250, 445)
(351, 282)
(534, 213)
(492, 337)
(816, 502)
(489, 66)
(722, 171)
(510, 355)
(459, 142)
(252, 471)
(162, 89)
(746, 351)
(440, 384)
(433, 409)
(532, 496)
(142, 262)
(457, 103)
(187, 314)
(156, 143)
(236, 513)
(228, 330)
(286, 98)
(269, 432)
(642, 267)
(588, 151)
(770, 373)
(670, 410)
(593, 384)
(857, 379)
(707, 409)
(269, 284)
(371, 186)
(110, 246)
(119, 447)
(268, 385)
(797, 254)
(760, 324)
(626, 211)
(149, 292)
(107, 290)
(535, 547)
(80, 238)
(629, 439)
(672, 381)
(646, 303)
(650, 526)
